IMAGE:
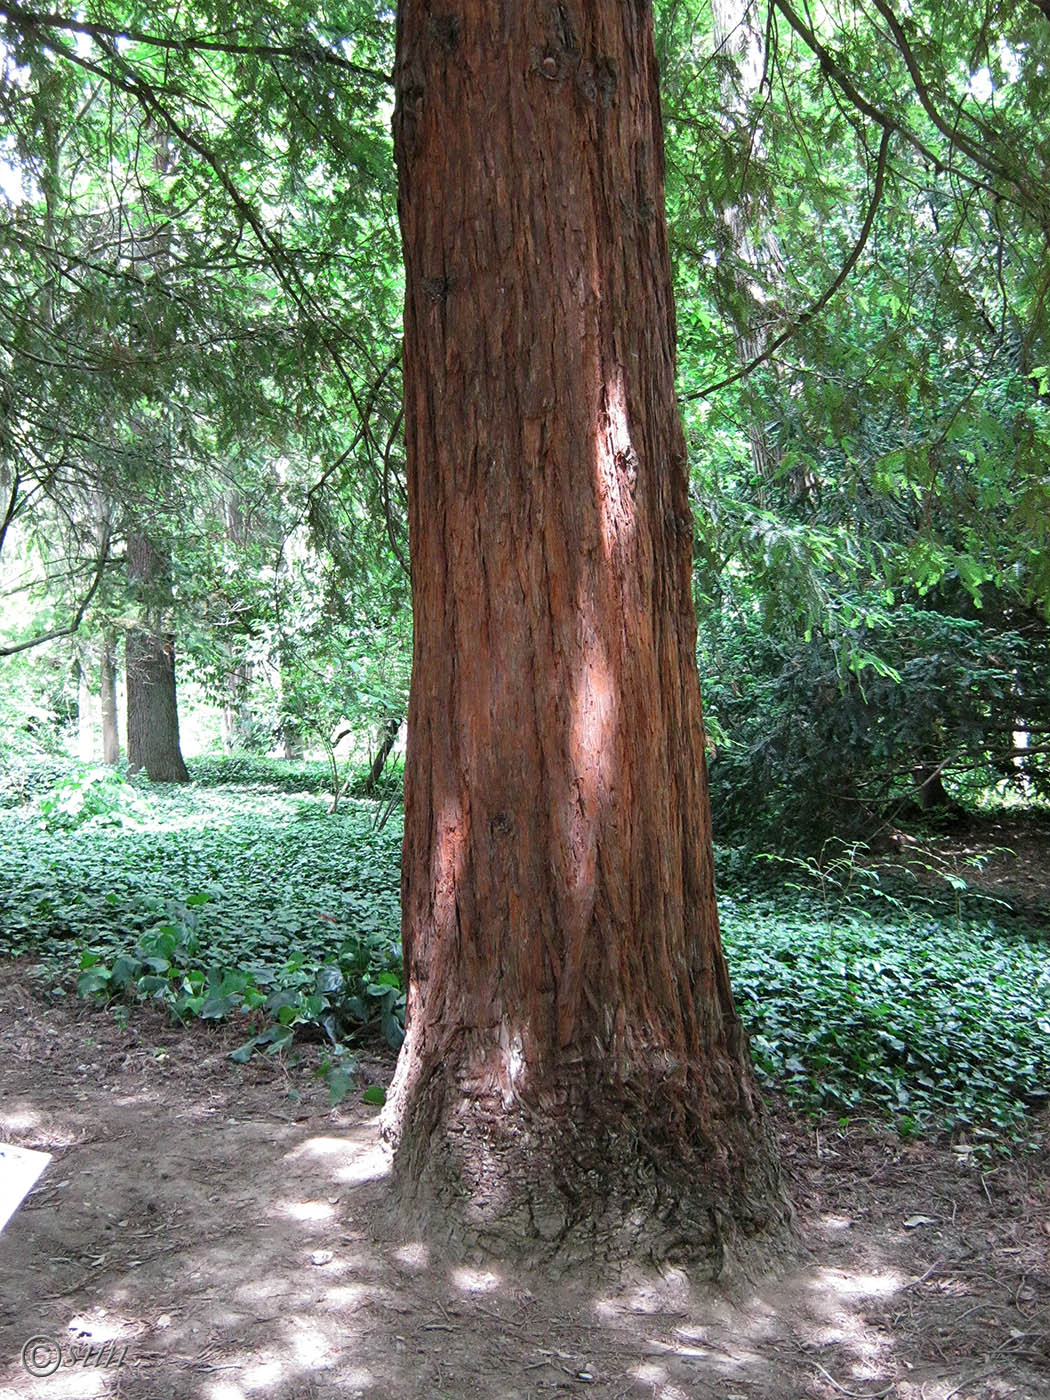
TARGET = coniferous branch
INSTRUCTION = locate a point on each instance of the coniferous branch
(822, 301)
(1003, 185)
(78, 617)
(304, 52)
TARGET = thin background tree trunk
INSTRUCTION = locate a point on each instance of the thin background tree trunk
(153, 715)
(108, 686)
(149, 650)
(85, 708)
(386, 745)
(575, 1076)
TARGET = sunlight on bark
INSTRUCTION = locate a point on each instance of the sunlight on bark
(453, 830)
(514, 1077)
(592, 747)
(615, 470)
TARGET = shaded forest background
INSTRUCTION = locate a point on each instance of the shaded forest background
(200, 445)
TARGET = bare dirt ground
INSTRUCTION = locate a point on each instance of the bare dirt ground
(1003, 860)
(210, 1227)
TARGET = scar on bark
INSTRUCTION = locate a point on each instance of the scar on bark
(445, 30)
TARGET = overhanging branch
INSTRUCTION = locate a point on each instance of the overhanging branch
(832, 69)
(978, 153)
(822, 301)
(78, 616)
(306, 51)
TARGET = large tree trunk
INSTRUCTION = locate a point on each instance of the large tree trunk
(149, 649)
(149, 668)
(153, 716)
(575, 1077)
(108, 685)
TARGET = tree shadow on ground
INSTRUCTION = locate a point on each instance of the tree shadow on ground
(213, 1228)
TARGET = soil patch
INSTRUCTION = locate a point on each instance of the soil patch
(208, 1226)
(1002, 860)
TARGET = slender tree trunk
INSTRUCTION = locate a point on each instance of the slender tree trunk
(149, 667)
(575, 1078)
(291, 740)
(291, 732)
(390, 732)
(237, 726)
(108, 685)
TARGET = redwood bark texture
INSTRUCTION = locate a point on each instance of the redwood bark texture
(575, 1079)
(149, 670)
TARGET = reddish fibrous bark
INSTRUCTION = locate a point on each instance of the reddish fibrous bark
(575, 1077)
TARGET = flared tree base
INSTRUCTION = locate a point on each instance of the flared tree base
(601, 1173)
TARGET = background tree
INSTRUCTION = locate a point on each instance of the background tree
(251, 337)
(890, 357)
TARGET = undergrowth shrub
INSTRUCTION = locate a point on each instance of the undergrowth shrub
(94, 796)
(254, 769)
(933, 1016)
(26, 776)
(358, 991)
(823, 733)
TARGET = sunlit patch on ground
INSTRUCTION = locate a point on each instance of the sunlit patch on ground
(475, 1280)
(307, 1210)
(413, 1256)
(349, 1160)
(19, 1170)
(860, 1285)
(224, 1230)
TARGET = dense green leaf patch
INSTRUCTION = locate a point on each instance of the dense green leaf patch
(252, 769)
(221, 900)
(280, 875)
(935, 1022)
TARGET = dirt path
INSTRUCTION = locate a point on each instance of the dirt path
(209, 1226)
